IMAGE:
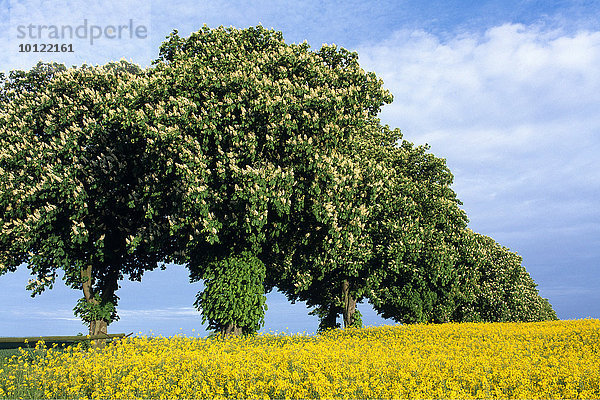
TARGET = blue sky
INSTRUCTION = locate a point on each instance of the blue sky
(507, 91)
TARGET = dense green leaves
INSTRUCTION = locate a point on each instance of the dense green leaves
(268, 131)
(233, 297)
(494, 286)
(77, 181)
(256, 163)
(98, 310)
(391, 237)
(415, 230)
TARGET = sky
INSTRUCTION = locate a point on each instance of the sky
(507, 92)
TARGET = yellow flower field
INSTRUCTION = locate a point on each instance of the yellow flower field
(558, 359)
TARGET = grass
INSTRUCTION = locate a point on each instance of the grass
(5, 353)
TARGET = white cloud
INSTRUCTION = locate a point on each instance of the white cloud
(4, 27)
(510, 76)
(514, 112)
(28, 313)
(129, 314)
(159, 313)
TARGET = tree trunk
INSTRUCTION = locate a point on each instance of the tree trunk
(88, 293)
(100, 326)
(328, 319)
(231, 329)
(349, 304)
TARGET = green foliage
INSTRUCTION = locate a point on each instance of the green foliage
(21, 82)
(233, 293)
(79, 180)
(494, 286)
(388, 231)
(415, 228)
(258, 164)
(357, 319)
(266, 130)
(97, 310)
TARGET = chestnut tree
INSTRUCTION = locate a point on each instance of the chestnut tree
(80, 179)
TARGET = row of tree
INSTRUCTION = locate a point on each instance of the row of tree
(256, 163)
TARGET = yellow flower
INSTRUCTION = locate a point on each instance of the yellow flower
(523, 360)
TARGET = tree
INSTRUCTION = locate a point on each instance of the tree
(416, 232)
(256, 163)
(19, 82)
(325, 262)
(433, 268)
(233, 300)
(419, 261)
(392, 232)
(328, 259)
(79, 179)
(494, 286)
(265, 121)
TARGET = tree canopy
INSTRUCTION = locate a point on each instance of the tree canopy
(77, 181)
(268, 124)
(494, 286)
(256, 163)
(396, 221)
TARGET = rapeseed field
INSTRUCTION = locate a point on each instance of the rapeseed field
(558, 359)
